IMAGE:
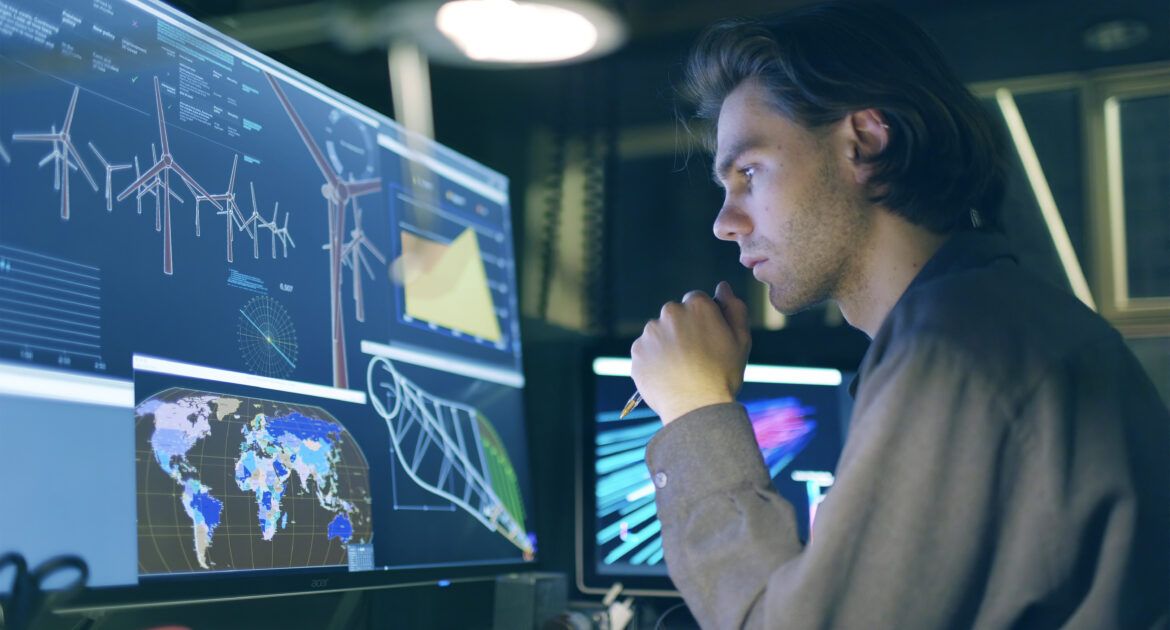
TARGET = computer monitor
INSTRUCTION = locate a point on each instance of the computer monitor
(255, 337)
(800, 415)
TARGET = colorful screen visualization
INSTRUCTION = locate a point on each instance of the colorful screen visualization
(799, 416)
(248, 327)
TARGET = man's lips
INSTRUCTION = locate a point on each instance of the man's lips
(750, 262)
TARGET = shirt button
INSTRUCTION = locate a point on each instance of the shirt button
(660, 479)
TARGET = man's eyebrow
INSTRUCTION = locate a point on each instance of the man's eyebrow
(738, 148)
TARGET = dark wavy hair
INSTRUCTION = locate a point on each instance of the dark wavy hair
(945, 157)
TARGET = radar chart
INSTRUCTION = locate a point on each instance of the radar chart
(268, 340)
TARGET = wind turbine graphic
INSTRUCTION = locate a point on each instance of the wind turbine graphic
(4, 154)
(280, 233)
(283, 235)
(110, 168)
(353, 257)
(231, 211)
(256, 222)
(165, 164)
(64, 154)
(152, 189)
(337, 193)
(228, 197)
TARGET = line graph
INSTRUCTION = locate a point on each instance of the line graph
(451, 450)
(49, 306)
(454, 272)
(64, 155)
(337, 193)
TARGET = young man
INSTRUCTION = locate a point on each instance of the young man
(1008, 462)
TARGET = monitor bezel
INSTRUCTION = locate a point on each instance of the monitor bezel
(221, 588)
(839, 348)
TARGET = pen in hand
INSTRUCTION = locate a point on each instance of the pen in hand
(636, 399)
(633, 402)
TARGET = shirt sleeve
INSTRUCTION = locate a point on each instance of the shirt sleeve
(899, 541)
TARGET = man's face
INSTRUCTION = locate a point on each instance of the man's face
(791, 203)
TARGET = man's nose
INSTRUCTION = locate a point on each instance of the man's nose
(731, 223)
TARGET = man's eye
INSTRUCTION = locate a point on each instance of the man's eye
(747, 172)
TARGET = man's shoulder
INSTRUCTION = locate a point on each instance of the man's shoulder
(1003, 322)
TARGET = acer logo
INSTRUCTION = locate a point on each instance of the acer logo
(320, 583)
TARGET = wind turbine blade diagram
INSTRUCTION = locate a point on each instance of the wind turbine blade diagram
(450, 449)
(337, 193)
(64, 155)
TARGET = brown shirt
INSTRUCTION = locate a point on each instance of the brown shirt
(1008, 465)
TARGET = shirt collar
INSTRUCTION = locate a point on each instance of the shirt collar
(963, 251)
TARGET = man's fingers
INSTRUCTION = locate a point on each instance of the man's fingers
(734, 311)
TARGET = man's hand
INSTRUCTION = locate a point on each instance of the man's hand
(694, 354)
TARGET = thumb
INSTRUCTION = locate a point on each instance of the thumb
(734, 311)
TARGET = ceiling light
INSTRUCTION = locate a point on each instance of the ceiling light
(485, 33)
(510, 32)
(1116, 35)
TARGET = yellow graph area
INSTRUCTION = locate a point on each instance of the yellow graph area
(447, 285)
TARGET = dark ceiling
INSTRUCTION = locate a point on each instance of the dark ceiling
(983, 39)
(986, 39)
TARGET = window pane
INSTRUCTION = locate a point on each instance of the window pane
(1054, 125)
(1145, 149)
(1023, 221)
(1154, 355)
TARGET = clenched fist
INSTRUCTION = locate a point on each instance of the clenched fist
(694, 354)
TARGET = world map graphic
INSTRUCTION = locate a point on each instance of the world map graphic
(236, 483)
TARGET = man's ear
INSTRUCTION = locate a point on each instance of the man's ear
(867, 135)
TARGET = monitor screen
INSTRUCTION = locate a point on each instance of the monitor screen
(799, 414)
(254, 336)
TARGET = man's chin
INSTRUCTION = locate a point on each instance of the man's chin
(790, 305)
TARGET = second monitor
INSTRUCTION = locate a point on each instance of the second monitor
(799, 414)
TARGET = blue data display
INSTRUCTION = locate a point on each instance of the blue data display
(159, 181)
(248, 262)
